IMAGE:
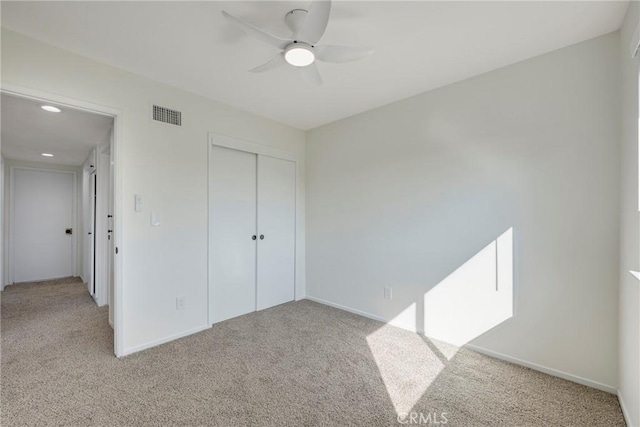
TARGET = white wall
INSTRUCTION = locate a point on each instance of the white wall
(77, 230)
(629, 375)
(168, 167)
(404, 195)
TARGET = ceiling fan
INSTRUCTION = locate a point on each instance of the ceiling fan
(300, 50)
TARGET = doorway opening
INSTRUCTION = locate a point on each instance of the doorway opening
(58, 171)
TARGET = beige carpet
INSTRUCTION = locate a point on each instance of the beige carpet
(299, 364)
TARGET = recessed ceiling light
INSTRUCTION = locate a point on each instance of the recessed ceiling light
(299, 54)
(47, 155)
(51, 108)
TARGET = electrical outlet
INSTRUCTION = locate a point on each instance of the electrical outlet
(179, 303)
(388, 292)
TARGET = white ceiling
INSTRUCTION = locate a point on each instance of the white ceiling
(419, 46)
(28, 131)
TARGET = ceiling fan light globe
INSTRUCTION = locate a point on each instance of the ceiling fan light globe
(299, 55)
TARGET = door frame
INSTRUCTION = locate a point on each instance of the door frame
(74, 217)
(93, 210)
(102, 176)
(117, 141)
(258, 149)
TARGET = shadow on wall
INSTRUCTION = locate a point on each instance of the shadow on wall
(470, 301)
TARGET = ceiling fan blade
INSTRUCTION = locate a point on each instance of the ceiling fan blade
(340, 54)
(311, 74)
(315, 23)
(256, 32)
(274, 63)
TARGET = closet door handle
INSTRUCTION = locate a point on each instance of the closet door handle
(262, 237)
(253, 237)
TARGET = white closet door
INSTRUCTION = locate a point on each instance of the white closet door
(232, 224)
(276, 228)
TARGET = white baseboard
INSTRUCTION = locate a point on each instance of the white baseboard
(544, 369)
(361, 313)
(625, 411)
(530, 365)
(135, 349)
(97, 300)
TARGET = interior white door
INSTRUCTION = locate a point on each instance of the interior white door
(232, 227)
(276, 228)
(42, 212)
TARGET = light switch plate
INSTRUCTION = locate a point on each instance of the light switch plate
(388, 292)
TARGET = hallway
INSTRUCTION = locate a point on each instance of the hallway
(53, 335)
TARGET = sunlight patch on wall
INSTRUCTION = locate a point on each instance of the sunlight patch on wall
(474, 298)
(406, 319)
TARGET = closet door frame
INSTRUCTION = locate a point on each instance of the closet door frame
(216, 139)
